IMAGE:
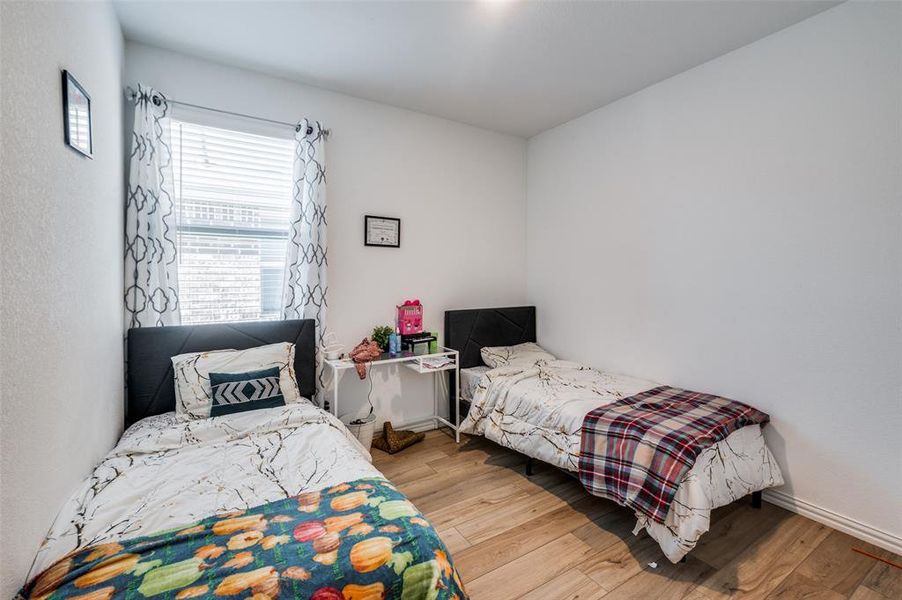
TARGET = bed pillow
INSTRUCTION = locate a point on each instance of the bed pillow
(194, 393)
(238, 392)
(501, 356)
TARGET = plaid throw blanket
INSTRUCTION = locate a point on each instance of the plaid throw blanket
(636, 451)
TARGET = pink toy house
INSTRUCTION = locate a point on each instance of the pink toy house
(410, 317)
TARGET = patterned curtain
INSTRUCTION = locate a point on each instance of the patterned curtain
(151, 272)
(305, 284)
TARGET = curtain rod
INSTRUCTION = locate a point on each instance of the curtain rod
(132, 94)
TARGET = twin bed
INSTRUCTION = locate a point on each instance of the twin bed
(283, 502)
(267, 503)
(539, 410)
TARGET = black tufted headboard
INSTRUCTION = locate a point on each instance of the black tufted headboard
(151, 390)
(467, 331)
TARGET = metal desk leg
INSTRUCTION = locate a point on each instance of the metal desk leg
(457, 397)
(335, 379)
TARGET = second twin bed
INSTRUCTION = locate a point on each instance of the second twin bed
(523, 398)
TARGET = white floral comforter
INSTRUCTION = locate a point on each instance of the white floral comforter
(538, 410)
(164, 473)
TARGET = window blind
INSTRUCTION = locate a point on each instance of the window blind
(233, 191)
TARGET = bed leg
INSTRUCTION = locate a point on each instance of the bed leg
(756, 499)
(529, 467)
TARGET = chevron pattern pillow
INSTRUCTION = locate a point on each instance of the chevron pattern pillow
(238, 392)
(193, 393)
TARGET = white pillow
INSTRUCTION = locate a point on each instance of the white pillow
(193, 395)
(501, 356)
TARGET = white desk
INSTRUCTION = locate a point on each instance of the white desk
(414, 362)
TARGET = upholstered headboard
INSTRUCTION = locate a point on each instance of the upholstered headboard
(467, 331)
(150, 376)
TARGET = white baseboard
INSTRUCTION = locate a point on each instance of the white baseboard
(418, 428)
(837, 521)
(423, 424)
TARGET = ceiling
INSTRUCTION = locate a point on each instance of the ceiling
(515, 66)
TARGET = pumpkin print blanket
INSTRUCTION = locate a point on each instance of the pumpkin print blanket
(359, 540)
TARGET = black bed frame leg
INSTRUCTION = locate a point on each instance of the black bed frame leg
(756, 499)
(529, 467)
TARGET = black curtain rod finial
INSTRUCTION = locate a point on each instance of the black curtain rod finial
(309, 129)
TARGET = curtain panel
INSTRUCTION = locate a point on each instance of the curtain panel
(305, 283)
(151, 270)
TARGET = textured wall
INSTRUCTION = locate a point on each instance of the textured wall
(60, 268)
(736, 229)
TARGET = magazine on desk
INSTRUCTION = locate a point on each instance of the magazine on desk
(437, 362)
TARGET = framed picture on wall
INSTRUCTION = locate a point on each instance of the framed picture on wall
(381, 231)
(77, 116)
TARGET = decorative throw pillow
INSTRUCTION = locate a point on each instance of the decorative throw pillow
(238, 392)
(193, 392)
(501, 356)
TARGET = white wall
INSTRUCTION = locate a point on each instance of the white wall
(60, 268)
(736, 229)
(459, 191)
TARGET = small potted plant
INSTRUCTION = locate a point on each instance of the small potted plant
(380, 335)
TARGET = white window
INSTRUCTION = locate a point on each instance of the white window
(233, 191)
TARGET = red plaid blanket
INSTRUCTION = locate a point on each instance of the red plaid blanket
(636, 451)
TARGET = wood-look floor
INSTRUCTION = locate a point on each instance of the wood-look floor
(545, 538)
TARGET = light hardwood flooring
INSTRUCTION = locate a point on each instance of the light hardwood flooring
(545, 538)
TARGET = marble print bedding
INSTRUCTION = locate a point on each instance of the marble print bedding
(164, 473)
(538, 410)
(469, 381)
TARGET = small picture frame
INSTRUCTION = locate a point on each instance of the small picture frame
(381, 231)
(77, 116)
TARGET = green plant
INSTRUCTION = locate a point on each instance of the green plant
(381, 334)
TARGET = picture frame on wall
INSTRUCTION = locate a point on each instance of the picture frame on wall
(384, 232)
(77, 123)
